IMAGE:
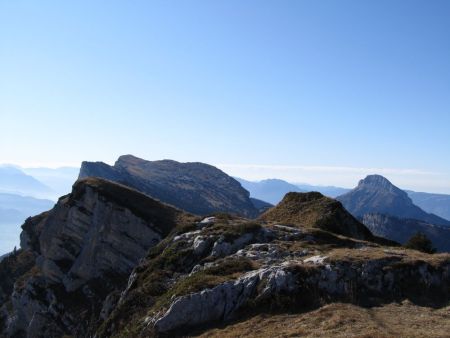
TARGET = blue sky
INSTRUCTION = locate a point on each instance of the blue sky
(342, 87)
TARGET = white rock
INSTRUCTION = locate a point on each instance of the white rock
(316, 259)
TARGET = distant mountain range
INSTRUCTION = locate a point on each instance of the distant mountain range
(438, 204)
(15, 181)
(194, 187)
(203, 189)
(270, 190)
(59, 180)
(41, 183)
(273, 191)
(14, 209)
(23, 205)
(25, 193)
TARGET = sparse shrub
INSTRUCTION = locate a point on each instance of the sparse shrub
(420, 242)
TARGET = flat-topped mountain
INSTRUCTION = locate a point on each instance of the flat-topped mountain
(195, 187)
(315, 210)
(376, 194)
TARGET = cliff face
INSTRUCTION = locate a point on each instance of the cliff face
(375, 194)
(84, 249)
(195, 187)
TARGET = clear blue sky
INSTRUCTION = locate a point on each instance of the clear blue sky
(354, 84)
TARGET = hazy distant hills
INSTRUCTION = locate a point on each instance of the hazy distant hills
(195, 187)
(59, 180)
(329, 191)
(270, 190)
(14, 209)
(438, 204)
(273, 190)
(47, 183)
(23, 205)
(23, 195)
(375, 194)
(13, 180)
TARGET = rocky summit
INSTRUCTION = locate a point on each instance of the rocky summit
(376, 194)
(195, 187)
(109, 261)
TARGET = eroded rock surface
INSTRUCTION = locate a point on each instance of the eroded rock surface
(84, 249)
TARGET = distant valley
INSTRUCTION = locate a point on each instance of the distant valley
(26, 192)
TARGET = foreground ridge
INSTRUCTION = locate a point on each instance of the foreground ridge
(109, 261)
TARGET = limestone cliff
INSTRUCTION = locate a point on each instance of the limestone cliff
(84, 249)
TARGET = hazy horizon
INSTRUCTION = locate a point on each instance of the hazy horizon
(318, 92)
(345, 177)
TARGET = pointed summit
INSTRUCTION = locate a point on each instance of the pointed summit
(376, 194)
(376, 180)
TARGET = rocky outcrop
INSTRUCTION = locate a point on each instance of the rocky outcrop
(222, 301)
(315, 210)
(84, 249)
(372, 282)
(195, 187)
(375, 194)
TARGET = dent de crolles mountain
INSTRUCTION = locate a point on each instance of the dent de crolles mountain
(195, 187)
(375, 194)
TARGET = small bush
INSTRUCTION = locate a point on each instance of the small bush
(420, 242)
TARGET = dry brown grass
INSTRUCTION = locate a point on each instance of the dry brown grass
(376, 253)
(313, 210)
(345, 320)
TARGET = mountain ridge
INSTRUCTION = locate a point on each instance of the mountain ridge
(195, 187)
